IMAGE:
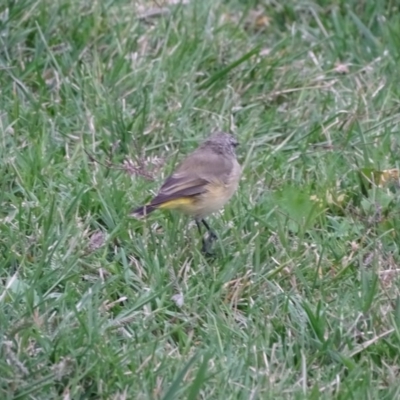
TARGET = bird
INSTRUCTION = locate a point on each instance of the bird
(201, 184)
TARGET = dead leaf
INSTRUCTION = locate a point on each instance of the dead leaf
(96, 240)
(341, 68)
(257, 20)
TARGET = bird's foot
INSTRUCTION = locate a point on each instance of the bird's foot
(207, 243)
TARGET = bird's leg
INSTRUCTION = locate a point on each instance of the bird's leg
(211, 234)
(203, 241)
(211, 237)
(206, 242)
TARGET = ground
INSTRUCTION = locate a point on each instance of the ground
(99, 100)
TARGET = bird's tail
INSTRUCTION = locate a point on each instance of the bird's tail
(143, 211)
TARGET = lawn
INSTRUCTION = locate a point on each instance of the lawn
(98, 102)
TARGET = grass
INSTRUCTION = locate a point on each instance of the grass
(99, 100)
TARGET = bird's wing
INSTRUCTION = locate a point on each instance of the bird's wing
(193, 175)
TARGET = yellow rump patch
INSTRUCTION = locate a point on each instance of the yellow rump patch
(177, 203)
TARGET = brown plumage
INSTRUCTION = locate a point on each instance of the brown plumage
(202, 183)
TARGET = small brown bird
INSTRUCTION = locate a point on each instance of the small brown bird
(201, 184)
